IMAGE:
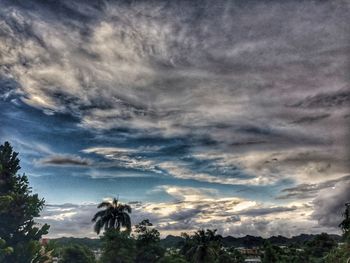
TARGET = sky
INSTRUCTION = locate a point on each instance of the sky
(230, 115)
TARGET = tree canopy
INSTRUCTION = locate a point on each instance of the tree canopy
(19, 206)
(114, 216)
(77, 254)
(148, 248)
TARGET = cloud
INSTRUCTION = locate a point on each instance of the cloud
(177, 170)
(64, 160)
(69, 220)
(304, 191)
(267, 210)
(129, 158)
(190, 210)
(310, 119)
(120, 73)
(329, 204)
(339, 98)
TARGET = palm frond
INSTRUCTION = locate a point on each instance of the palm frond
(98, 226)
(104, 204)
(98, 214)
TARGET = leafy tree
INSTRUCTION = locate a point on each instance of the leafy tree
(44, 255)
(345, 224)
(342, 253)
(114, 216)
(320, 245)
(270, 254)
(203, 246)
(77, 254)
(4, 249)
(117, 247)
(18, 209)
(339, 255)
(148, 245)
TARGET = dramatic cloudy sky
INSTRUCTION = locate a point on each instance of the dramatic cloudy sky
(217, 114)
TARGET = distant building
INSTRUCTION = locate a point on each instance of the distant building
(254, 252)
(252, 260)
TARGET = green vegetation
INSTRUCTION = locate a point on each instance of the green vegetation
(203, 246)
(92, 244)
(4, 249)
(342, 253)
(20, 236)
(18, 208)
(115, 216)
(148, 248)
(77, 254)
(117, 247)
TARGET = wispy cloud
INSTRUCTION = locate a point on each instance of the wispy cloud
(64, 160)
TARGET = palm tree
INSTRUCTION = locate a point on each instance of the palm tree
(203, 246)
(114, 216)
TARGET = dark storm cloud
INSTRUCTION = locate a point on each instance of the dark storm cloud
(310, 119)
(184, 214)
(65, 160)
(340, 98)
(330, 204)
(304, 191)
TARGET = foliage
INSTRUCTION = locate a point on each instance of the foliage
(345, 224)
(18, 209)
(4, 249)
(92, 244)
(173, 256)
(230, 255)
(270, 254)
(44, 255)
(203, 246)
(117, 247)
(339, 255)
(114, 216)
(342, 253)
(285, 254)
(320, 245)
(77, 254)
(147, 243)
(171, 241)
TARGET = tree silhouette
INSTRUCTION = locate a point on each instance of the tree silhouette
(203, 246)
(18, 208)
(117, 247)
(77, 254)
(345, 224)
(148, 245)
(114, 216)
